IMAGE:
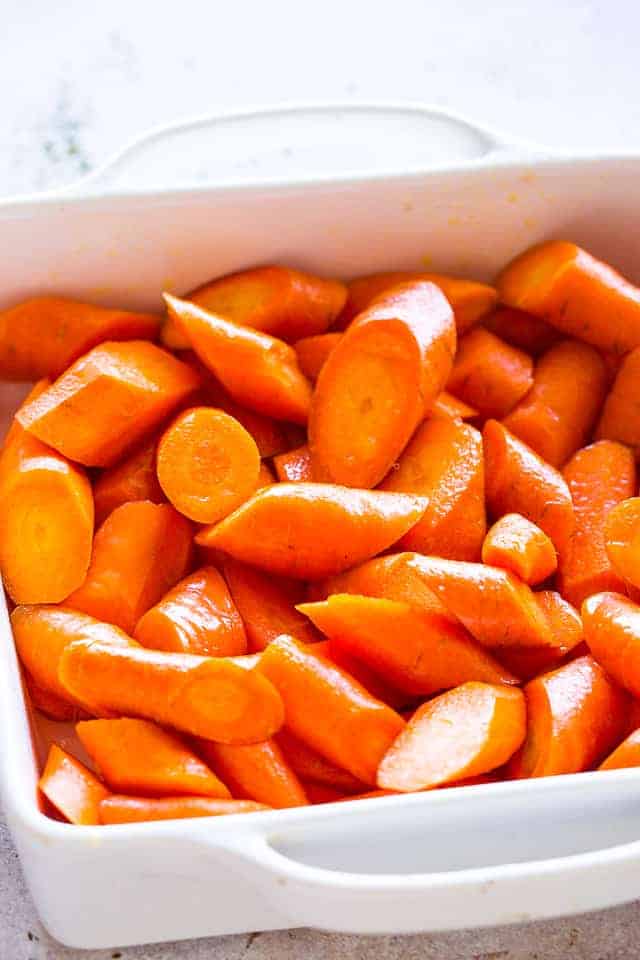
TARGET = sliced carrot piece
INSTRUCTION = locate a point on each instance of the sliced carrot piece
(612, 632)
(625, 755)
(575, 716)
(108, 400)
(420, 653)
(259, 371)
(523, 330)
(43, 336)
(313, 352)
(378, 383)
(312, 768)
(256, 771)
(134, 478)
(446, 405)
(294, 466)
(374, 682)
(140, 551)
(462, 733)
(619, 418)
(517, 480)
(329, 710)
(123, 809)
(514, 543)
(566, 628)
(622, 539)
(599, 477)
(558, 414)
(444, 462)
(490, 374)
(578, 294)
(196, 616)
(73, 790)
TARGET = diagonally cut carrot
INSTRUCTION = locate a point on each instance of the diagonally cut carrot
(312, 768)
(294, 466)
(514, 543)
(612, 632)
(566, 628)
(619, 418)
(625, 755)
(73, 790)
(123, 809)
(134, 478)
(622, 539)
(256, 771)
(379, 686)
(490, 374)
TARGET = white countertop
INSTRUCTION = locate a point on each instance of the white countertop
(80, 79)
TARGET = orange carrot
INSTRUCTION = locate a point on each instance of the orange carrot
(49, 704)
(490, 374)
(619, 418)
(313, 352)
(514, 543)
(523, 330)
(312, 768)
(612, 632)
(259, 371)
(444, 462)
(266, 604)
(134, 478)
(43, 336)
(575, 716)
(294, 466)
(139, 757)
(73, 790)
(123, 809)
(519, 481)
(374, 682)
(378, 383)
(557, 415)
(462, 733)
(578, 294)
(140, 551)
(108, 400)
(625, 755)
(599, 476)
(566, 628)
(256, 771)
(420, 653)
(622, 539)
(446, 405)
(196, 616)
(211, 697)
(46, 518)
(329, 710)
(321, 793)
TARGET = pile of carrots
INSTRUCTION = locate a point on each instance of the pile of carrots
(301, 541)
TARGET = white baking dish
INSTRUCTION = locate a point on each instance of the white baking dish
(363, 189)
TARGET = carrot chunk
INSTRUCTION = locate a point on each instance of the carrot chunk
(294, 466)
(312, 768)
(313, 352)
(256, 771)
(47, 703)
(619, 420)
(566, 628)
(612, 632)
(625, 755)
(73, 790)
(514, 543)
(622, 539)
(490, 374)
(134, 478)
(375, 682)
(123, 809)
(523, 330)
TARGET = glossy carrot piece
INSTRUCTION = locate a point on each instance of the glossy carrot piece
(464, 732)
(514, 543)
(470, 301)
(523, 330)
(378, 383)
(73, 790)
(294, 466)
(123, 809)
(489, 373)
(43, 336)
(566, 627)
(625, 755)
(134, 478)
(419, 653)
(329, 710)
(46, 518)
(313, 352)
(443, 461)
(312, 768)
(140, 551)
(266, 605)
(575, 716)
(577, 293)
(622, 539)
(558, 414)
(376, 683)
(619, 418)
(517, 480)
(258, 370)
(446, 405)
(255, 771)
(49, 704)
(599, 476)
(313, 530)
(612, 632)
(196, 616)
(108, 401)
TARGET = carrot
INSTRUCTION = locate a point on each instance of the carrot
(256, 771)
(378, 383)
(462, 733)
(107, 401)
(266, 476)
(489, 373)
(43, 336)
(514, 543)
(211, 697)
(313, 530)
(259, 371)
(575, 716)
(619, 418)
(469, 300)
(196, 616)
(140, 551)
(578, 294)
(266, 605)
(622, 539)
(46, 518)
(313, 352)
(625, 755)
(375, 683)
(522, 330)
(73, 790)
(123, 809)
(312, 768)
(599, 477)
(612, 632)
(557, 416)
(47, 703)
(321, 793)
(446, 405)
(134, 478)
(329, 710)
(566, 628)
(294, 466)
(519, 481)
(444, 462)
(420, 653)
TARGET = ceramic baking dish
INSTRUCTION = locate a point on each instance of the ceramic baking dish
(340, 190)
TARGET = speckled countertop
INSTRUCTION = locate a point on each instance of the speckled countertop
(78, 79)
